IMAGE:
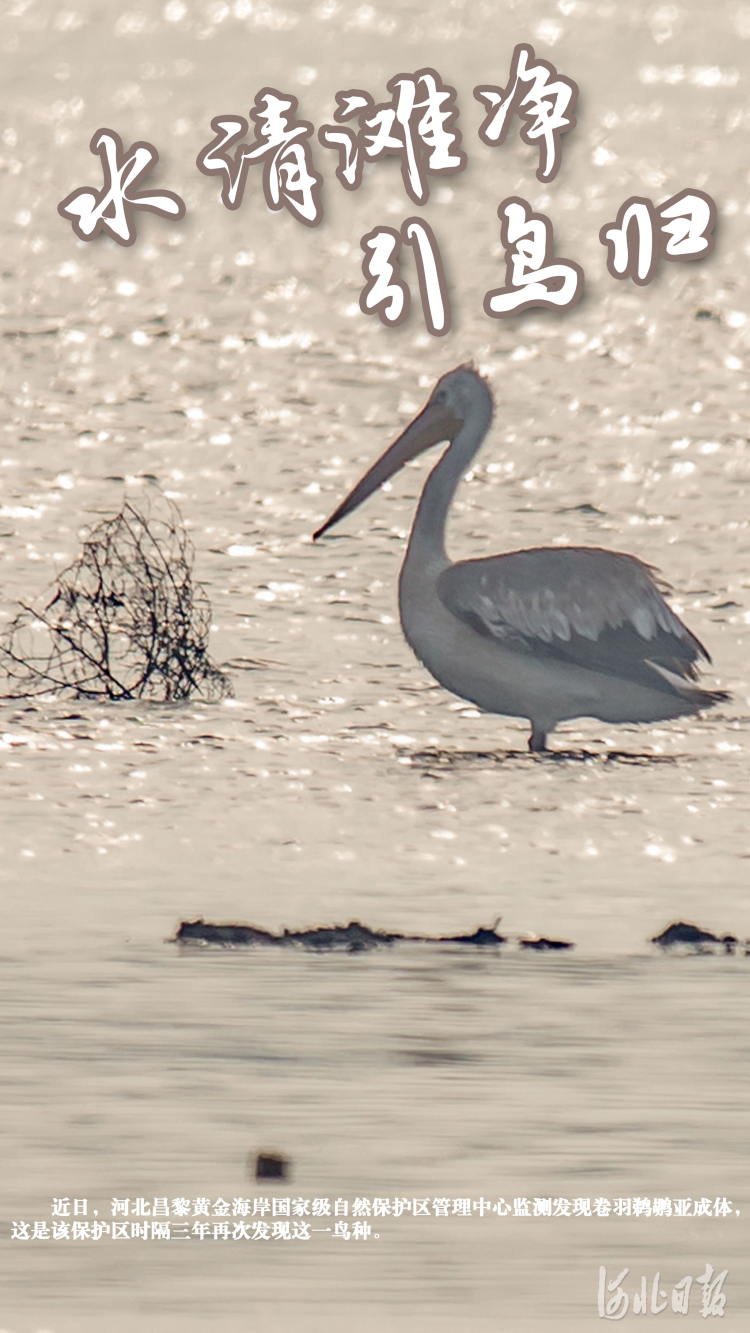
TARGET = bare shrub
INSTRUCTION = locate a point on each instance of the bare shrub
(125, 621)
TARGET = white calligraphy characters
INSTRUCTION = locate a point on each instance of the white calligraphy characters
(111, 208)
(531, 276)
(713, 1299)
(542, 97)
(281, 143)
(417, 125)
(679, 230)
(386, 294)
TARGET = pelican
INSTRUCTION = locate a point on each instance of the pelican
(546, 634)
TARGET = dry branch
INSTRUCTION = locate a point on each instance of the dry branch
(125, 620)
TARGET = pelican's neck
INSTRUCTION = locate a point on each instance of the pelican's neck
(428, 530)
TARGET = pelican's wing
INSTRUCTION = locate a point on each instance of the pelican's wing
(592, 608)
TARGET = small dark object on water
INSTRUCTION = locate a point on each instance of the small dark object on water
(354, 938)
(542, 945)
(482, 936)
(205, 932)
(683, 932)
(271, 1166)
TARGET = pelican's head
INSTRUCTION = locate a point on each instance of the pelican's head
(459, 396)
(465, 393)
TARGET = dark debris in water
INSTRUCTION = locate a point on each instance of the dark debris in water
(679, 937)
(693, 939)
(354, 938)
(542, 945)
(482, 935)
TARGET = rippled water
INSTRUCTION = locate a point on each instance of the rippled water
(225, 360)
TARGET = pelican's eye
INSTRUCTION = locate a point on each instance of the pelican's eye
(440, 397)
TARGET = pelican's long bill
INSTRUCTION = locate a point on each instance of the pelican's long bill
(435, 423)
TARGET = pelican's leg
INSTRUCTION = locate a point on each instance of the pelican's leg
(537, 739)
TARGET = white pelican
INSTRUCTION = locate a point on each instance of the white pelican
(546, 634)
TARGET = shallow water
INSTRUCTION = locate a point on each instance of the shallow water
(235, 371)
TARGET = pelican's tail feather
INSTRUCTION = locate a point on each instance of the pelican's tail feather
(698, 696)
